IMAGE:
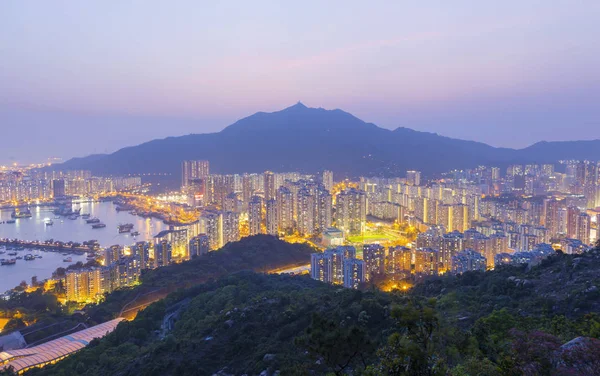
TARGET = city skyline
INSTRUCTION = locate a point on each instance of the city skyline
(508, 75)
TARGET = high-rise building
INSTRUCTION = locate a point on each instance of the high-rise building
(572, 221)
(83, 285)
(328, 180)
(255, 215)
(413, 178)
(351, 211)
(468, 260)
(451, 244)
(285, 208)
(142, 251)
(320, 267)
(400, 262)
(583, 228)
(270, 187)
(426, 262)
(193, 170)
(58, 188)
(323, 211)
(199, 245)
(211, 224)
(112, 254)
(271, 219)
(231, 227)
(374, 257)
(162, 249)
(306, 213)
(354, 273)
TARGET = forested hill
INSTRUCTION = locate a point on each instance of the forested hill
(512, 321)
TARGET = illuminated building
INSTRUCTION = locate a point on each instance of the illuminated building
(285, 208)
(83, 285)
(351, 211)
(142, 251)
(425, 262)
(199, 245)
(271, 218)
(330, 266)
(387, 210)
(451, 243)
(211, 224)
(162, 249)
(413, 178)
(193, 170)
(468, 260)
(354, 273)
(332, 237)
(112, 254)
(552, 218)
(255, 215)
(399, 262)
(247, 189)
(306, 213)
(320, 268)
(337, 256)
(374, 257)
(572, 221)
(328, 180)
(323, 210)
(231, 203)
(583, 228)
(270, 187)
(231, 227)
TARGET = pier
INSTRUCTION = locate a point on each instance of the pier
(69, 247)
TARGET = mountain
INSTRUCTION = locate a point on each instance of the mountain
(514, 320)
(309, 140)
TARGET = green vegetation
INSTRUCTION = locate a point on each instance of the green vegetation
(511, 321)
(260, 253)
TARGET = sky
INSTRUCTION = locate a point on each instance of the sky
(79, 78)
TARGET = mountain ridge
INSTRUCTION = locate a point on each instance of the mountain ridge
(309, 140)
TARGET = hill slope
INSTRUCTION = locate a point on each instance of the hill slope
(305, 139)
(489, 323)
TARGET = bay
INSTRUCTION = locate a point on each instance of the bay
(64, 229)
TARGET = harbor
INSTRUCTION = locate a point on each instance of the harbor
(50, 235)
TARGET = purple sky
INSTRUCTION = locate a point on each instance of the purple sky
(85, 77)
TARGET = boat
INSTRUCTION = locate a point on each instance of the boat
(29, 257)
(85, 215)
(92, 220)
(12, 253)
(2, 252)
(73, 217)
(17, 213)
(19, 257)
(98, 225)
(135, 233)
(8, 261)
(125, 228)
(11, 221)
(68, 259)
(49, 223)
(66, 211)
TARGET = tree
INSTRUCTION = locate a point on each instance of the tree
(337, 346)
(411, 350)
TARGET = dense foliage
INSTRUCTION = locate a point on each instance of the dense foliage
(260, 253)
(243, 323)
(512, 321)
